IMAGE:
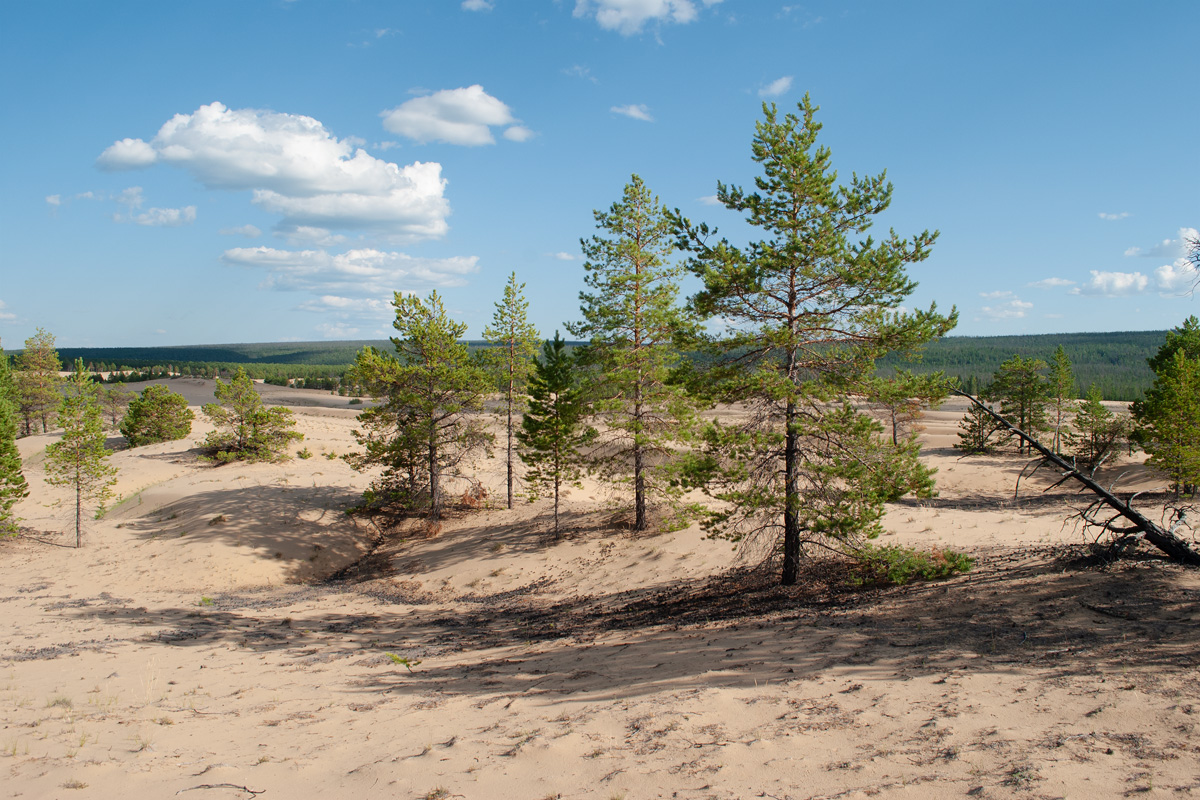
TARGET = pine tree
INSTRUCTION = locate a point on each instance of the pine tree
(157, 415)
(1168, 421)
(901, 400)
(1062, 393)
(552, 435)
(975, 431)
(514, 343)
(115, 399)
(37, 380)
(634, 325)
(79, 459)
(1024, 393)
(245, 430)
(809, 309)
(1100, 431)
(12, 482)
(426, 424)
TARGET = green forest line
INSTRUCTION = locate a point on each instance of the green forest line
(1114, 361)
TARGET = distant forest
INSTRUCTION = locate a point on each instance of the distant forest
(1115, 362)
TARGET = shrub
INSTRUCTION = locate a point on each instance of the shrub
(884, 565)
(156, 415)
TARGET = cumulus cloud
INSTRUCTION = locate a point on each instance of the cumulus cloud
(709, 200)
(295, 168)
(127, 154)
(54, 199)
(456, 116)
(307, 235)
(366, 272)
(1051, 283)
(1179, 277)
(1113, 284)
(477, 5)
(563, 256)
(1013, 307)
(5, 315)
(578, 71)
(776, 87)
(634, 111)
(628, 17)
(518, 133)
(1167, 248)
(1121, 215)
(251, 231)
(165, 217)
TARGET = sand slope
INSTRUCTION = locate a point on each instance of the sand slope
(189, 647)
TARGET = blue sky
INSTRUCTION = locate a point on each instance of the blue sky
(266, 171)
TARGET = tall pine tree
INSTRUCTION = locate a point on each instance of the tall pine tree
(513, 341)
(809, 307)
(79, 459)
(431, 392)
(552, 434)
(634, 325)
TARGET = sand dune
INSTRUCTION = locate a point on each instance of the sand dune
(191, 646)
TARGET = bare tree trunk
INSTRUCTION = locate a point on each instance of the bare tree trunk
(791, 501)
(78, 512)
(510, 444)
(1164, 540)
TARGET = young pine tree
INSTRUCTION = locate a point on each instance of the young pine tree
(79, 459)
(12, 482)
(37, 381)
(157, 415)
(427, 422)
(1062, 394)
(1100, 431)
(1024, 394)
(809, 308)
(514, 342)
(245, 429)
(1168, 421)
(634, 326)
(552, 435)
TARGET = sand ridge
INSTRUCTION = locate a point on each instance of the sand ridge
(192, 646)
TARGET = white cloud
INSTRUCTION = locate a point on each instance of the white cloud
(709, 200)
(1121, 215)
(635, 111)
(1015, 308)
(1179, 277)
(166, 217)
(251, 231)
(1051, 283)
(366, 272)
(456, 116)
(997, 295)
(1167, 248)
(338, 330)
(54, 199)
(5, 315)
(477, 5)
(776, 87)
(563, 256)
(578, 71)
(307, 235)
(1113, 284)
(296, 168)
(518, 133)
(359, 306)
(127, 154)
(628, 17)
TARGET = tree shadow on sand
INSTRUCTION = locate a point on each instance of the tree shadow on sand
(304, 526)
(1023, 609)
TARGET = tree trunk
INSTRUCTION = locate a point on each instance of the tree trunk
(791, 501)
(78, 512)
(435, 489)
(510, 444)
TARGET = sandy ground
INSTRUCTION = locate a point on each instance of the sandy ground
(193, 647)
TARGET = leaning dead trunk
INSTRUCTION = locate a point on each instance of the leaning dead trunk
(1163, 539)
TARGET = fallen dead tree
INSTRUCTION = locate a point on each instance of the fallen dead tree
(1137, 523)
